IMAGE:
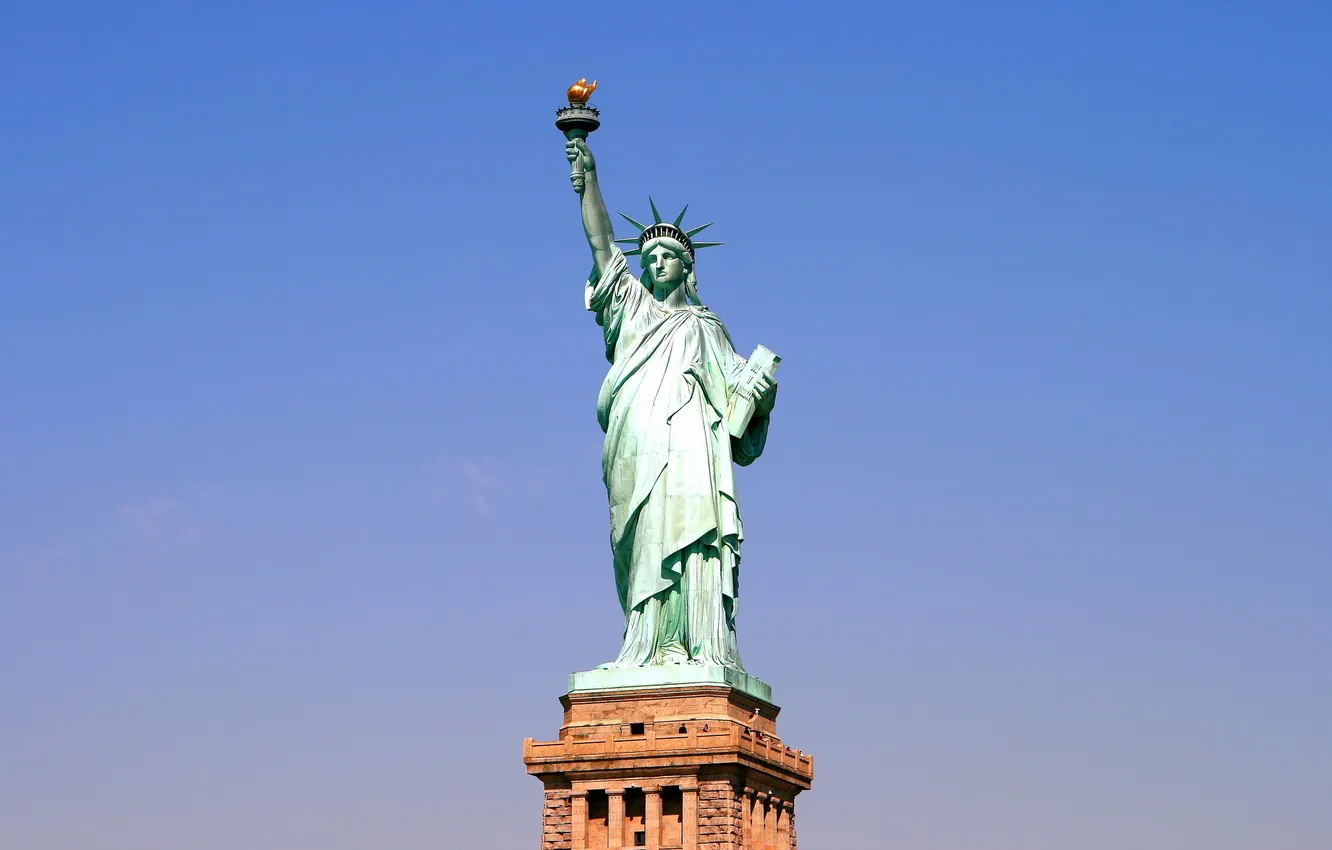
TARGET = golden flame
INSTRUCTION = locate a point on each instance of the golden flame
(580, 91)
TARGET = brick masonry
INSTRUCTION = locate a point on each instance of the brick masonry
(720, 826)
(557, 820)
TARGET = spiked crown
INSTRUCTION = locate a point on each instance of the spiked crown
(668, 230)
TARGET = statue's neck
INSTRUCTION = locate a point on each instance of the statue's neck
(672, 300)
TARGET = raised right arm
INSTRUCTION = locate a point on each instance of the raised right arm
(596, 220)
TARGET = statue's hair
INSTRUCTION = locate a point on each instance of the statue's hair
(675, 247)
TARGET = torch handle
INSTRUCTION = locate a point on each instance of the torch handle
(576, 167)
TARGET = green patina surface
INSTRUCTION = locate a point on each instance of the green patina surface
(667, 675)
(669, 456)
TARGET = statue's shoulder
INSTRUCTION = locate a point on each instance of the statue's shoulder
(710, 318)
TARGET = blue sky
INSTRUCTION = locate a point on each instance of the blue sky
(301, 519)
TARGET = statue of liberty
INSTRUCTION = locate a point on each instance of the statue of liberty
(667, 459)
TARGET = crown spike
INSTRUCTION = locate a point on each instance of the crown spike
(656, 216)
(690, 233)
(641, 227)
(634, 252)
(628, 240)
(707, 244)
(679, 218)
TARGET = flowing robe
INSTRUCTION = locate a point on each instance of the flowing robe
(675, 522)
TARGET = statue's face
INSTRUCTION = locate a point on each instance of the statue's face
(667, 269)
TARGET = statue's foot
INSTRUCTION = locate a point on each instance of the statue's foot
(674, 659)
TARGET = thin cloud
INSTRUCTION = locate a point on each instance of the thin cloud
(39, 558)
(151, 517)
(166, 519)
(484, 484)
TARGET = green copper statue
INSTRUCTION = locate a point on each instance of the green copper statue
(668, 407)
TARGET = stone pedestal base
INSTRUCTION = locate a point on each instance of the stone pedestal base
(672, 767)
(670, 675)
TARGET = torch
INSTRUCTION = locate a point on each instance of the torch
(577, 120)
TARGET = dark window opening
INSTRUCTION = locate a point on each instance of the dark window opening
(684, 731)
(635, 817)
(672, 809)
(598, 819)
(597, 805)
(636, 729)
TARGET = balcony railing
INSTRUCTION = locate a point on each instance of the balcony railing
(737, 738)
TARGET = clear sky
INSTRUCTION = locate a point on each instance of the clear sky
(301, 517)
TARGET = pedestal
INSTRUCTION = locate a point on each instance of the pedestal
(677, 766)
